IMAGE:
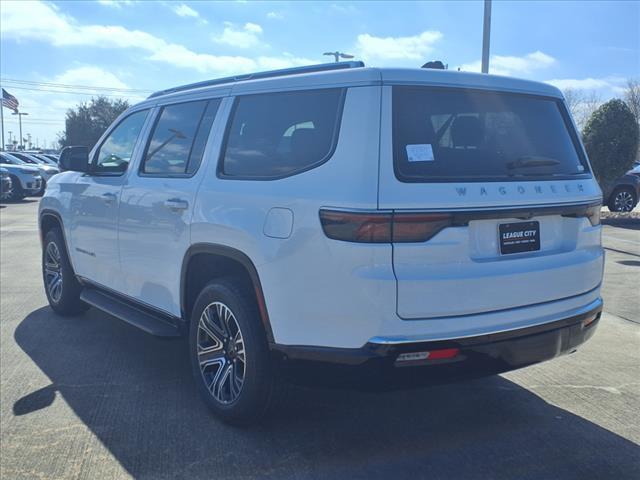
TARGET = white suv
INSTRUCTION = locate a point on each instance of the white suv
(384, 226)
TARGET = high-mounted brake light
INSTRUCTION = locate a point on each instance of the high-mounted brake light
(383, 227)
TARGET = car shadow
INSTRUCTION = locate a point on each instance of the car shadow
(629, 263)
(135, 393)
(19, 202)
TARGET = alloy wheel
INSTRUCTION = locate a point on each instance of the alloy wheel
(53, 272)
(221, 353)
(623, 201)
(7, 194)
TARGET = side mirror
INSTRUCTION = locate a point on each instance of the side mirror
(75, 159)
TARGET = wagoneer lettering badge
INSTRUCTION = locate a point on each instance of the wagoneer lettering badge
(523, 189)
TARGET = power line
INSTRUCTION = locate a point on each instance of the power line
(36, 122)
(82, 87)
(94, 94)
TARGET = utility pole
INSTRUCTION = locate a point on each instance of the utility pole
(486, 34)
(20, 114)
(10, 132)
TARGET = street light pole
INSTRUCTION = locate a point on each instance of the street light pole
(20, 114)
(486, 34)
(338, 55)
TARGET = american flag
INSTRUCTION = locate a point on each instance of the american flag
(9, 101)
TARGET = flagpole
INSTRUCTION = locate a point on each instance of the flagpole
(2, 119)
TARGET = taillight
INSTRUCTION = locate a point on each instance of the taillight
(418, 227)
(356, 227)
(593, 214)
(383, 227)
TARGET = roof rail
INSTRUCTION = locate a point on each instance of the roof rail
(323, 67)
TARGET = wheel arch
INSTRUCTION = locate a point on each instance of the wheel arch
(17, 179)
(48, 219)
(206, 261)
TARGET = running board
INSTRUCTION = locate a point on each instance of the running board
(155, 324)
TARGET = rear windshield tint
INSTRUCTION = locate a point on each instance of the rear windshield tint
(466, 135)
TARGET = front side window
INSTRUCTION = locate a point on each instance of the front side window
(278, 134)
(466, 135)
(115, 152)
(178, 139)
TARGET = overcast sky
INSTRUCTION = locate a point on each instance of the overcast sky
(142, 46)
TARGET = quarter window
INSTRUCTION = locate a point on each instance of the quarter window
(179, 137)
(278, 134)
(115, 152)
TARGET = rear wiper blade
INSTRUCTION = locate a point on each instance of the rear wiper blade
(531, 161)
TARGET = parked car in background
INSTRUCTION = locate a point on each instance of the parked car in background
(46, 170)
(25, 179)
(55, 158)
(624, 196)
(45, 159)
(6, 184)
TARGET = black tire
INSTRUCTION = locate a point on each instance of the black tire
(260, 383)
(623, 199)
(65, 300)
(16, 193)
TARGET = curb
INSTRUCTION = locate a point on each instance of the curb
(622, 222)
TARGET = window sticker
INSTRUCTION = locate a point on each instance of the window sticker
(422, 152)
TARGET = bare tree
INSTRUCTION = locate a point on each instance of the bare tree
(590, 104)
(581, 104)
(632, 99)
(573, 98)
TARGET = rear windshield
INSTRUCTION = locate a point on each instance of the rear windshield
(466, 135)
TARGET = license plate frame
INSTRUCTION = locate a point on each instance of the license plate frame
(519, 237)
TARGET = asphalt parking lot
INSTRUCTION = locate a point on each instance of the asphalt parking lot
(92, 397)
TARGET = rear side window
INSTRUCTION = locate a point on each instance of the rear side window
(466, 135)
(279, 134)
(179, 137)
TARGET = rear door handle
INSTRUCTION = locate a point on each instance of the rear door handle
(176, 204)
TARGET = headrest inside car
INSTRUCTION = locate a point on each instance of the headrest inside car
(466, 132)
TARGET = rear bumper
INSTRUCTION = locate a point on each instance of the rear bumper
(376, 366)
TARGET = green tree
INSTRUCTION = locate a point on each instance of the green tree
(87, 122)
(610, 137)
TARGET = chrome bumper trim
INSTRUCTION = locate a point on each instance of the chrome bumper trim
(399, 340)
